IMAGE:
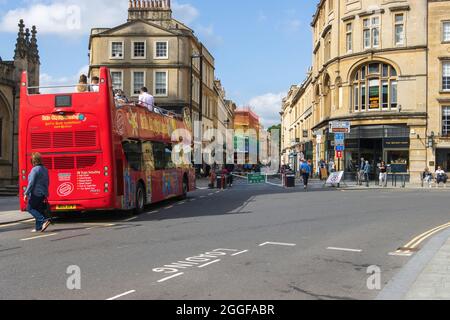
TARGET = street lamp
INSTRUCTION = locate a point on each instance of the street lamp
(196, 56)
(431, 140)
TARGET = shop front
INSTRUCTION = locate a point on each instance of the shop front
(443, 159)
(375, 144)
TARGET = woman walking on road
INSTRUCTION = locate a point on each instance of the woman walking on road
(37, 192)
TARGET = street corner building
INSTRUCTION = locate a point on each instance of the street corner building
(383, 66)
(154, 50)
(26, 58)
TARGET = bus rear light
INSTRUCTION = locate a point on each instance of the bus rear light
(106, 185)
(23, 172)
(24, 178)
(106, 174)
(24, 188)
(106, 190)
(106, 168)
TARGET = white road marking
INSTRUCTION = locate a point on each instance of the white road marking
(238, 253)
(344, 249)
(401, 254)
(169, 207)
(97, 226)
(153, 212)
(180, 203)
(203, 197)
(210, 194)
(209, 263)
(278, 244)
(38, 237)
(130, 219)
(171, 277)
(193, 200)
(121, 295)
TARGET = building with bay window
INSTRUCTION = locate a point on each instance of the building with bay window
(384, 66)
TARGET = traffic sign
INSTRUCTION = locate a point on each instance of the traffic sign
(340, 148)
(340, 126)
(339, 154)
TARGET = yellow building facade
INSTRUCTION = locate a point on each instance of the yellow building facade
(370, 67)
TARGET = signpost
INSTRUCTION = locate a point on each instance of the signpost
(256, 178)
(339, 128)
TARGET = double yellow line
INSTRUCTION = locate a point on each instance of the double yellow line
(417, 241)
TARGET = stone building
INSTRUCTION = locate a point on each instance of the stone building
(154, 50)
(439, 84)
(373, 65)
(26, 58)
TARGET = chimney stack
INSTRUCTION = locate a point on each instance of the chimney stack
(151, 10)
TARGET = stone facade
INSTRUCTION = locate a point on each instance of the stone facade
(26, 58)
(370, 67)
(154, 50)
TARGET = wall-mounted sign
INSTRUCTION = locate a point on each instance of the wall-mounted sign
(396, 143)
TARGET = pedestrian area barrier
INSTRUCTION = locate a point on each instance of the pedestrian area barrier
(275, 179)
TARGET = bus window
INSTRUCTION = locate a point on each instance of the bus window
(168, 157)
(133, 154)
(158, 155)
(147, 151)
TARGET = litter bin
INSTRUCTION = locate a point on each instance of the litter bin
(290, 181)
(221, 182)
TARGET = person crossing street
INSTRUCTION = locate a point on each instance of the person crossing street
(305, 170)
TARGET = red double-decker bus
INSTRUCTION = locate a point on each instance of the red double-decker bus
(100, 156)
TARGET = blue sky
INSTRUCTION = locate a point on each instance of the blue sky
(261, 47)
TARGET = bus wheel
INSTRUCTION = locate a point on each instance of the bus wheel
(140, 199)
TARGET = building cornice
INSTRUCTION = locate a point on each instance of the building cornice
(371, 116)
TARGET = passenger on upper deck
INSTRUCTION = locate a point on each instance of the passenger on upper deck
(120, 98)
(82, 84)
(146, 99)
(95, 84)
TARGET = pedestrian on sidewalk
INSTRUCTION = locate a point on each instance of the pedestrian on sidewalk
(383, 174)
(367, 169)
(441, 176)
(37, 192)
(305, 170)
(427, 177)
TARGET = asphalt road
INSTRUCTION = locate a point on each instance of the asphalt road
(215, 246)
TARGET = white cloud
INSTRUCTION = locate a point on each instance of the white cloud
(208, 36)
(268, 107)
(76, 17)
(46, 80)
(186, 13)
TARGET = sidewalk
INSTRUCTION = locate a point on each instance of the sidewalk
(434, 281)
(426, 276)
(7, 217)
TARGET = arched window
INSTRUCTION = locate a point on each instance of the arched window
(375, 88)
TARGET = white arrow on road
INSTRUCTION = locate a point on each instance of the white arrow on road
(278, 244)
